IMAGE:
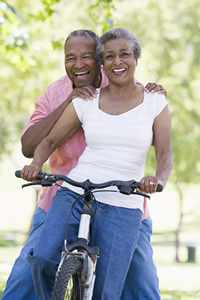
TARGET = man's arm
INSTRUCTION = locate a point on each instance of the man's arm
(64, 128)
(37, 132)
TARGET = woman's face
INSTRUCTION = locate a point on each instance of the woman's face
(118, 61)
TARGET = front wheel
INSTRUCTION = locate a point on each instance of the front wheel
(67, 283)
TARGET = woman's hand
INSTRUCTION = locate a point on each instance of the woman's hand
(30, 173)
(149, 184)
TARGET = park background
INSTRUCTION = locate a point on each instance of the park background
(32, 34)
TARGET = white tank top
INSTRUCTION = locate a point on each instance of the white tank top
(117, 146)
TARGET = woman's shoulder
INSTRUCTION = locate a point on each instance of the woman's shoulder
(154, 98)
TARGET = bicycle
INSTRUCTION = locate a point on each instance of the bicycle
(75, 275)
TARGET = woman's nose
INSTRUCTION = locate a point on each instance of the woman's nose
(117, 60)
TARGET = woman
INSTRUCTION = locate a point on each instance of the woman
(118, 140)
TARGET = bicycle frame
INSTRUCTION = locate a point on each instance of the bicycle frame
(81, 250)
(85, 253)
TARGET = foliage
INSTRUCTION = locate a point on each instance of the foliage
(106, 19)
(32, 36)
(24, 72)
(30, 46)
(169, 32)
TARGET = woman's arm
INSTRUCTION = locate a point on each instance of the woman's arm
(163, 151)
(37, 132)
(65, 127)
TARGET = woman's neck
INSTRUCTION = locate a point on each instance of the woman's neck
(116, 100)
(125, 91)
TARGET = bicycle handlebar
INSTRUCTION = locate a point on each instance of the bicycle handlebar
(124, 187)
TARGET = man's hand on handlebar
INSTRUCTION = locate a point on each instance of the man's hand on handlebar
(30, 172)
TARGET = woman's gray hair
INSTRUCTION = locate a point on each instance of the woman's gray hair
(87, 33)
(116, 33)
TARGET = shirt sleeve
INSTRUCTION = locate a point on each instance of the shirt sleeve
(42, 110)
(80, 106)
(161, 102)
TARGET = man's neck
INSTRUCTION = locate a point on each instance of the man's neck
(98, 82)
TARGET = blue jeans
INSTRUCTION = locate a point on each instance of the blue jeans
(141, 282)
(115, 231)
(20, 284)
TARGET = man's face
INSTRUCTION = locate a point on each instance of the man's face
(80, 64)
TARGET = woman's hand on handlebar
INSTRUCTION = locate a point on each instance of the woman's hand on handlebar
(149, 184)
(30, 172)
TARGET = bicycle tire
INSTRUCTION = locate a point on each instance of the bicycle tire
(67, 283)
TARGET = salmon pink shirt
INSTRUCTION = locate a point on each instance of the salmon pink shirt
(65, 158)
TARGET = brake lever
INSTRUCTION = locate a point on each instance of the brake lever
(129, 191)
(126, 188)
(29, 184)
(141, 194)
(43, 182)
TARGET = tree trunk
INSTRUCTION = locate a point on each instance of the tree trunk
(177, 241)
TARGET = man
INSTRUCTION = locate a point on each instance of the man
(84, 74)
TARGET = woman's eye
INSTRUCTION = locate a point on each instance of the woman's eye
(109, 56)
(125, 54)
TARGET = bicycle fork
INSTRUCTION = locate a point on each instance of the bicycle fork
(89, 266)
(82, 251)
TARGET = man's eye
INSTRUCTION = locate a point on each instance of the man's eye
(70, 58)
(87, 57)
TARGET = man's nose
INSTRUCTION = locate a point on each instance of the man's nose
(79, 63)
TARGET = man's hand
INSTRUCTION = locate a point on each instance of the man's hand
(30, 172)
(86, 93)
(155, 88)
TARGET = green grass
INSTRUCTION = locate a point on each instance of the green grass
(179, 295)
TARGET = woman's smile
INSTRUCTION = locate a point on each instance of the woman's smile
(119, 71)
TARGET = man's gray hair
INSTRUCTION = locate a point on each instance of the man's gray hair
(116, 33)
(84, 32)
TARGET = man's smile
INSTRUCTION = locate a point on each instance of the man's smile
(77, 74)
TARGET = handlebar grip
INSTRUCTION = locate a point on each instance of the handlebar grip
(159, 188)
(18, 173)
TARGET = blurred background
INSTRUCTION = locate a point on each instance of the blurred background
(32, 34)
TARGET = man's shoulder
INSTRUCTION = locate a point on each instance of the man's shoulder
(63, 81)
(104, 79)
